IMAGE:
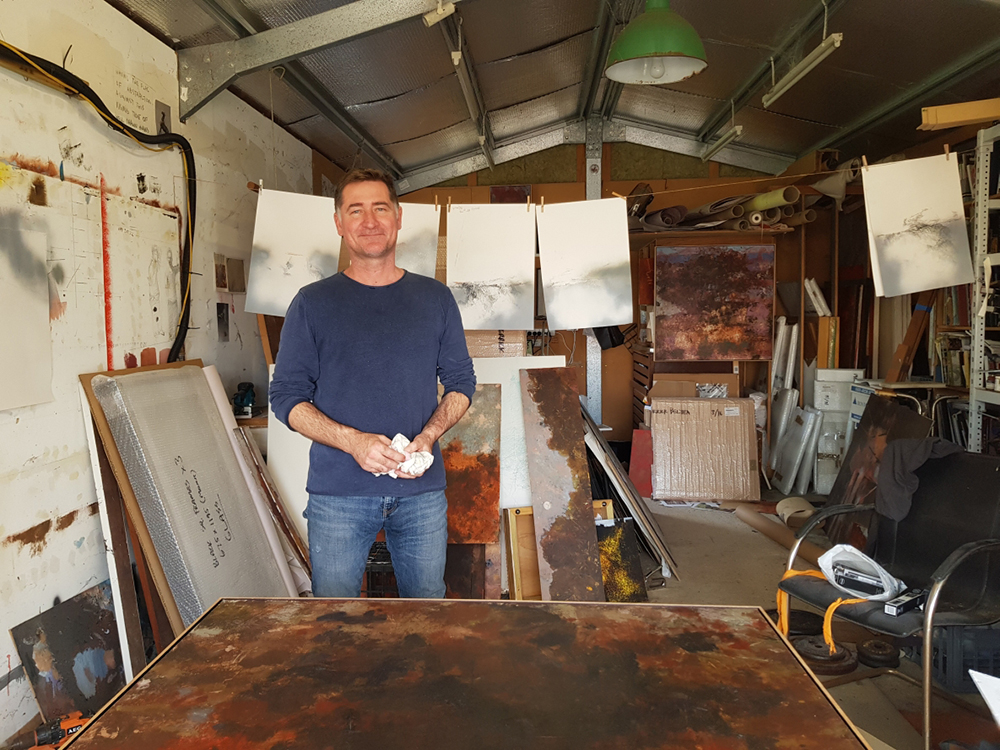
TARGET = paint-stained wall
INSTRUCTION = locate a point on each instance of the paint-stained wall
(51, 546)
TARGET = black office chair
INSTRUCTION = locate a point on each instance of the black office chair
(954, 518)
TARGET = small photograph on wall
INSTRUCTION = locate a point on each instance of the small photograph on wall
(714, 302)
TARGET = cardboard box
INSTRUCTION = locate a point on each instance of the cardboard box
(672, 389)
(832, 396)
(704, 449)
(730, 379)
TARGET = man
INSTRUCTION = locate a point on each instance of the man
(360, 357)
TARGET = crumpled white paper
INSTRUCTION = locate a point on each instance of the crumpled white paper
(415, 463)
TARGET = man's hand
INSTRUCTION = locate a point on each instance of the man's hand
(374, 453)
(421, 442)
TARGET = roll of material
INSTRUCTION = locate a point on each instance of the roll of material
(794, 511)
(787, 210)
(664, 218)
(733, 212)
(756, 218)
(776, 198)
(718, 206)
(772, 215)
(801, 218)
(740, 225)
(779, 533)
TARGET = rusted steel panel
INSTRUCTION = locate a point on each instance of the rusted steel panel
(376, 673)
(569, 563)
(471, 453)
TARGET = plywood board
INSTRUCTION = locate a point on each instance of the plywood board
(24, 298)
(71, 654)
(586, 270)
(714, 302)
(491, 266)
(471, 454)
(515, 490)
(569, 564)
(295, 242)
(417, 240)
(451, 674)
(917, 235)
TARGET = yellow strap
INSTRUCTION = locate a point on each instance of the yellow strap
(828, 621)
(783, 597)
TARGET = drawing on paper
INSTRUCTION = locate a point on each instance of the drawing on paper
(586, 271)
(916, 225)
(491, 266)
(295, 242)
(417, 241)
(714, 302)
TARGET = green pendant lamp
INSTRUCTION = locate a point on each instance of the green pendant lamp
(657, 47)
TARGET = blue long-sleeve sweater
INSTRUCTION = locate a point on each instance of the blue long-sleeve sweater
(370, 358)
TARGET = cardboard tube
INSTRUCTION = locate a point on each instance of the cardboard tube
(733, 212)
(741, 225)
(779, 533)
(755, 218)
(779, 197)
(787, 210)
(801, 218)
(772, 215)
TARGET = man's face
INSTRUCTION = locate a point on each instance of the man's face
(368, 220)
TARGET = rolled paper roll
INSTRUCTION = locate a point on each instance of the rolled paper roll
(779, 197)
(801, 218)
(755, 218)
(772, 215)
(741, 225)
(717, 206)
(733, 212)
(787, 210)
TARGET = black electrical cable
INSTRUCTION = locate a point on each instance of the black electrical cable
(80, 87)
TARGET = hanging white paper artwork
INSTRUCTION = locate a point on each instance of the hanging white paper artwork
(24, 308)
(295, 242)
(916, 225)
(586, 272)
(491, 266)
(417, 242)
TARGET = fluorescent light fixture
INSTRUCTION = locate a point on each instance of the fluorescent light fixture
(440, 13)
(796, 74)
(724, 141)
(656, 47)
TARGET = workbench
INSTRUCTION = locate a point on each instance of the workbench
(406, 673)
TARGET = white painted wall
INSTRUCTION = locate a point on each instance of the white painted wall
(45, 474)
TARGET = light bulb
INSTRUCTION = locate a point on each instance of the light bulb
(656, 68)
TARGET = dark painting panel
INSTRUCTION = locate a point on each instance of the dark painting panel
(621, 566)
(72, 655)
(883, 421)
(454, 675)
(714, 302)
(471, 453)
(465, 571)
(569, 564)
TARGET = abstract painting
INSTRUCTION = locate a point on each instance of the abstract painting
(714, 302)
(569, 564)
(586, 271)
(621, 566)
(72, 655)
(883, 421)
(454, 675)
(295, 242)
(24, 297)
(916, 225)
(471, 453)
(417, 241)
(491, 266)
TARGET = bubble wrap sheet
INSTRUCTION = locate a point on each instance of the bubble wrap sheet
(194, 500)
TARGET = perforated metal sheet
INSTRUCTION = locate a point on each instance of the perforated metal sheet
(328, 140)
(675, 109)
(458, 139)
(774, 132)
(761, 25)
(280, 12)
(524, 77)
(728, 67)
(497, 29)
(263, 87)
(538, 113)
(414, 113)
(179, 23)
(819, 96)
(387, 63)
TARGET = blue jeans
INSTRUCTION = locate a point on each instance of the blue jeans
(342, 529)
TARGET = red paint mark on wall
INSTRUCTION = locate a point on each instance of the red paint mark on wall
(106, 259)
(130, 361)
(147, 356)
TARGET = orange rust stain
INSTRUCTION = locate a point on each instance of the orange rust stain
(63, 521)
(33, 537)
(48, 168)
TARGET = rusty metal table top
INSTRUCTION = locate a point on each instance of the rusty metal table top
(396, 673)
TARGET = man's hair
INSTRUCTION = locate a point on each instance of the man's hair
(364, 175)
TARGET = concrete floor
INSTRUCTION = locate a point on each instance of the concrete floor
(721, 560)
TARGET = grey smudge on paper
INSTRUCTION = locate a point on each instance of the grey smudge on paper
(29, 271)
(70, 150)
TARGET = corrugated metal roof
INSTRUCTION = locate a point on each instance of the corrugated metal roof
(497, 30)
(414, 113)
(529, 116)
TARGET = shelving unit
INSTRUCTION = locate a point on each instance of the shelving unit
(978, 394)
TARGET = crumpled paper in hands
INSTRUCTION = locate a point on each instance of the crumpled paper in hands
(415, 463)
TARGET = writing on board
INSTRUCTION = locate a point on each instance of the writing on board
(211, 515)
